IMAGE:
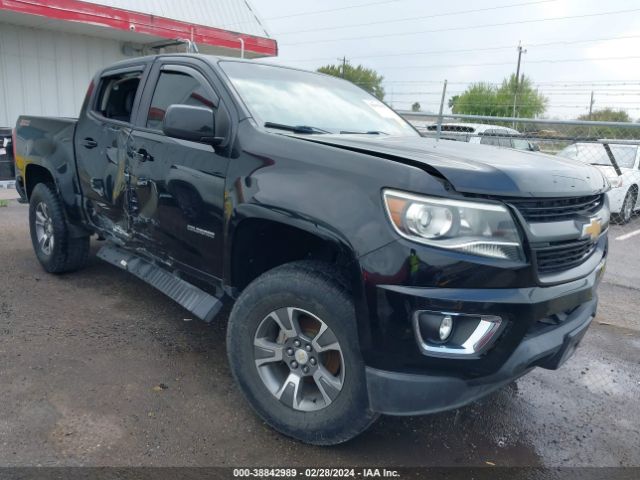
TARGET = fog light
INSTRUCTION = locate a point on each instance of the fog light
(471, 336)
(445, 328)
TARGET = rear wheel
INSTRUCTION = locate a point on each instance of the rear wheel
(293, 348)
(626, 212)
(56, 250)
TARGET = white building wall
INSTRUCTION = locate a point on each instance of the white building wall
(235, 15)
(46, 72)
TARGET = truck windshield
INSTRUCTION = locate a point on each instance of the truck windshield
(284, 96)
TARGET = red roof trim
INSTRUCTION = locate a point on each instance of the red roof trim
(120, 19)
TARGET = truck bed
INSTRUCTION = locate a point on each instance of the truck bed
(44, 141)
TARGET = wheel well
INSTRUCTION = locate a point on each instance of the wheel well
(35, 174)
(260, 245)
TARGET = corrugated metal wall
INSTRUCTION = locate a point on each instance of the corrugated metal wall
(45, 72)
(235, 15)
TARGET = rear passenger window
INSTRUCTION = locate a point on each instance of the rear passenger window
(116, 95)
(496, 137)
(485, 140)
(176, 88)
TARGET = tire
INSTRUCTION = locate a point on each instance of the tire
(308, 292)
(626, 211)
(61, 252)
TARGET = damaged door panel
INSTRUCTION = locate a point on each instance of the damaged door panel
(101, 139)
(177, 185)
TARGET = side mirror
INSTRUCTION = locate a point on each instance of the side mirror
(188, 122)
(535, 147)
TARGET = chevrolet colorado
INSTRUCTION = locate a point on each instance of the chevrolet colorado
(372, 271)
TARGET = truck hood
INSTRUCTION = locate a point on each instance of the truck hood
(480, 169)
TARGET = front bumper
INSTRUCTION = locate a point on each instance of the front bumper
(396, 393)
(428, 385)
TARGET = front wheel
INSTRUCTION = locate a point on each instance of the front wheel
(626, 212)
(293, 348)
(55, 248)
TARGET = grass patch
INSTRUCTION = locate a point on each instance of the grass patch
(4, 203)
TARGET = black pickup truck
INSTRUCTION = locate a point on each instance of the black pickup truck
(372, 270)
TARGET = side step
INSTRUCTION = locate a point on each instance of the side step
(202, 304)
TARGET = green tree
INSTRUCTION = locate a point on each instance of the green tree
(529, 101)
(365, 78)
(606, 115)
(487, 99)
(478, 99)
(415, 107)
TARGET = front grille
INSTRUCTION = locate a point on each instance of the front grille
(561, 256)
(556, 209)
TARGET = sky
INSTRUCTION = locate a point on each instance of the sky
(417, 44)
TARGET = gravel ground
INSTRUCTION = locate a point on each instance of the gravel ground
(99, 369)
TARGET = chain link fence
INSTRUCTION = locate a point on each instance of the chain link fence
(612, 147)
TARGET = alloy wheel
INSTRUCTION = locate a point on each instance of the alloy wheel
(299, 359)
(44, 228)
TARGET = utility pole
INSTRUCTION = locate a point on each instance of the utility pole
(591, 102)
(439, 124)
(515, 92)
(344, 65)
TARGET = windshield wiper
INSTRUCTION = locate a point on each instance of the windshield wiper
(370, 132)
(295, 128)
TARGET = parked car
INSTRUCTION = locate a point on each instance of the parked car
(495, 135)
(371, 270)
(623, 173)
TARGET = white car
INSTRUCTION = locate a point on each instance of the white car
(495, 135)
(625, 180)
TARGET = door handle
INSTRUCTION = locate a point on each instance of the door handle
(89, 143)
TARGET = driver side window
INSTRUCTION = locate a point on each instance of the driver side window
(176, 88)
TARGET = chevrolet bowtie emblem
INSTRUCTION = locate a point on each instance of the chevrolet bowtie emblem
(592, 229)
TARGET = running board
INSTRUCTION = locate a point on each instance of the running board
(202, 304)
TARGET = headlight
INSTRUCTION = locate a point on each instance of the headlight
(478, 228)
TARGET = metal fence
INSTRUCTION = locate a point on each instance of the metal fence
(551, 136)
(614, 147)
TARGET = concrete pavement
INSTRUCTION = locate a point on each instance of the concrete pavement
(80, 355)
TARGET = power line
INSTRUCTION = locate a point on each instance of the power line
(490, 64)
(469, 27)
(587, 92)
(473, 50)
(407, 19)
(315, 12)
